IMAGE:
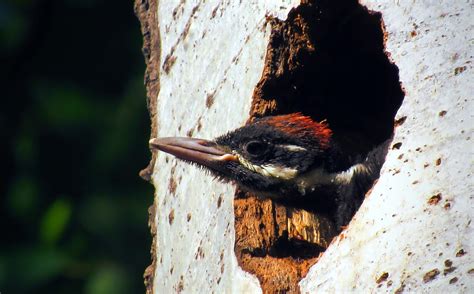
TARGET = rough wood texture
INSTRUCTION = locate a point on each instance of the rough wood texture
(146, 11)
(264, 231)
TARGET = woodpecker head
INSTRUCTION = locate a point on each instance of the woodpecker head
(274, 156)
(287, 158)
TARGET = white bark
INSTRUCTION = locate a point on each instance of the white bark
(214, 52)
(397, 231)
(219, 49)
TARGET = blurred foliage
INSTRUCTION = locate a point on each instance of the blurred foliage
(73, 130)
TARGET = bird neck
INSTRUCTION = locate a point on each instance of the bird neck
(361, 172)
(319, 177)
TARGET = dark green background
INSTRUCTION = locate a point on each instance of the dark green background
(74, 130)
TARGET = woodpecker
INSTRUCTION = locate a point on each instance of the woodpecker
(289, 158)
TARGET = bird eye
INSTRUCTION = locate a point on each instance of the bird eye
(255, 148)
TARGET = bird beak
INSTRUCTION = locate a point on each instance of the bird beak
(203, 152)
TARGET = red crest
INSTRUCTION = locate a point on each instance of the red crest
(299, 125)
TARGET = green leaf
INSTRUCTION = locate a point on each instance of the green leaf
(55, 220)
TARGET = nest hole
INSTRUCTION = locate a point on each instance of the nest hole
(327, 61)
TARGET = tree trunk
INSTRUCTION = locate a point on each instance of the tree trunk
(212, 66)
(414, 231)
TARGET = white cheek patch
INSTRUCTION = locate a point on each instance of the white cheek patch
(269, 170)
(308, 181)
(280, 172)
(292, 148)
(345, 177)
(317, 177)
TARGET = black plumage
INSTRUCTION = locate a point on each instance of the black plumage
(289, 158)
